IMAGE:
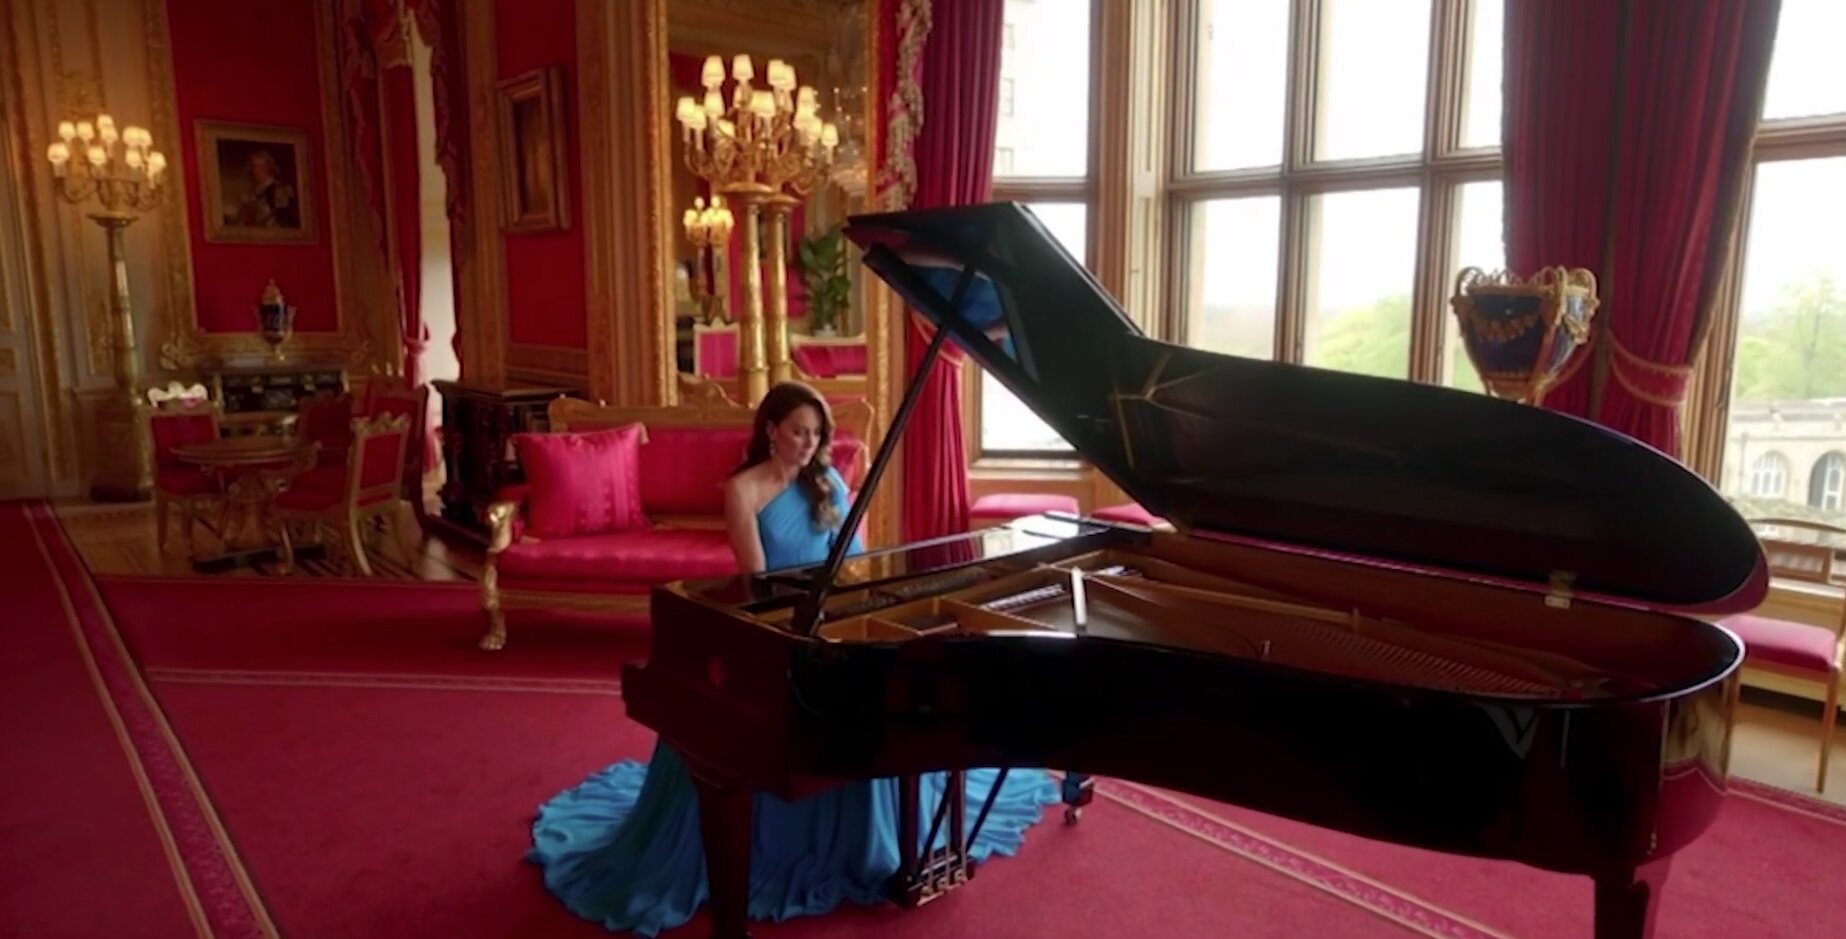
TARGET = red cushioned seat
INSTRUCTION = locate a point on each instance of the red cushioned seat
(186, 481)
(1796, 645)
(1005, 506)
(640, 555)
(1130, 513)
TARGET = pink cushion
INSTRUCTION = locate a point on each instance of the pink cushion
(1795, 645)
(584, 483)
(1010, 505)
(656, 556)
(1129, 512)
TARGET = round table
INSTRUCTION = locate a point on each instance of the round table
(252, 470)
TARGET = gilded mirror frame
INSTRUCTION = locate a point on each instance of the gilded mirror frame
(786, 28)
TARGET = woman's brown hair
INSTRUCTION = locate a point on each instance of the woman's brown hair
(781, 401)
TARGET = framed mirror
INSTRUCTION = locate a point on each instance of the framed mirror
(764, 285)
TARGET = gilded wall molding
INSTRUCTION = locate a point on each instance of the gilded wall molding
(481, 312)
(621, 65)
(187, 345)
(23, 95)
(897, 179)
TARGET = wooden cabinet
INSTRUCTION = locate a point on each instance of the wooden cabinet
(274, 387)
(478, 425)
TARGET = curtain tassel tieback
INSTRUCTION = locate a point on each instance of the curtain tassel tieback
(1660, 384)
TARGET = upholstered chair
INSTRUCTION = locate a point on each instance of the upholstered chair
(325, 418)
(412, 403)
(175, 420)
(368, 489)
(1800, 551)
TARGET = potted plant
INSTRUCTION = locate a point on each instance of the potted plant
(823, 275)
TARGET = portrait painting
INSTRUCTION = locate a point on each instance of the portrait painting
(254, 183)
(533, 151)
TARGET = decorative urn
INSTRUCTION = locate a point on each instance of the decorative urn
(275, 319)
(1520, 332)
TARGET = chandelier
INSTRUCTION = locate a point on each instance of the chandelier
(118, 168)
(766, 140)
(708, 225)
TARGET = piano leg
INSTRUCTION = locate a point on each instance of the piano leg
(724, 827)
(1625, 905)
(1077, 791)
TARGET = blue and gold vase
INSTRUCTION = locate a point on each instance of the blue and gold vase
(1520, 332)
(275, 320)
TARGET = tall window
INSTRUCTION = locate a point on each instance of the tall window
(1788, 356)
(1042, 159)
(1323, 219)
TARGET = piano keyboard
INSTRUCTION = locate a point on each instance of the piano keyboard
(1031, 598)
(885, 597)
(1327, 648)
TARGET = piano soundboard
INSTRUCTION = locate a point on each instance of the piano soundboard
(1147, 600)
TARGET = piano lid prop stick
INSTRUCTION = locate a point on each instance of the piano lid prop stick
(808, 613)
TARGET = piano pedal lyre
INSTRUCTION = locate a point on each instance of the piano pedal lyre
(1077, 790)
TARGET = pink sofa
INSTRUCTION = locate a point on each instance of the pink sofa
(560, 549)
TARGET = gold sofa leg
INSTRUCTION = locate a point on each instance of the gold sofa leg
(500, 524)
(495, 640)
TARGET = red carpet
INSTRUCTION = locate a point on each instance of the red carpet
(374, 776)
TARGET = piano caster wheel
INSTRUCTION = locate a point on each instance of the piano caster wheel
(1071, 814)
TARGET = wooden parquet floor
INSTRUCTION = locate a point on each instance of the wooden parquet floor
(122, 539)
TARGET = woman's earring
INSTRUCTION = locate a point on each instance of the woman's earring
(772, 448)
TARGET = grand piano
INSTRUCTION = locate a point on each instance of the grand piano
(1409, 613)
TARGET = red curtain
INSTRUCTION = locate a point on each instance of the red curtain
(1627, 140)
(954, 160)
(1558, 128)
(1693, 88)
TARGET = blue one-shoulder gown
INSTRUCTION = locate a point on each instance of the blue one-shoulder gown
(622, 848)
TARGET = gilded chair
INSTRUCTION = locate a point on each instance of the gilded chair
(325, 418)
(368, 490)
(412, 403)
(177, 417)
(1802, 551)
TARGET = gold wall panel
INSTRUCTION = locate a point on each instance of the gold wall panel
(15, 466)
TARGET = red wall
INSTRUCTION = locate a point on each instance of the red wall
(544, 270)
(236, 60)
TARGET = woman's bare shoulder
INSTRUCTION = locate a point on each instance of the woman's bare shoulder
(745, 490)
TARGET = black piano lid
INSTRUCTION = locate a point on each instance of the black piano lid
(1388, 471)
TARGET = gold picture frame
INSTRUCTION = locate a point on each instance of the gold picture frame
(535, 175)
(256, 183)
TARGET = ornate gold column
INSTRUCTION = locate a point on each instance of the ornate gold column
(752, 347)
(781, 366)
(124, 461)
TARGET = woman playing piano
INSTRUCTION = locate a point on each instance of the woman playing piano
(622, 848)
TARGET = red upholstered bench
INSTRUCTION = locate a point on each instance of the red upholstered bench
(1130, 513)
(1001, 507)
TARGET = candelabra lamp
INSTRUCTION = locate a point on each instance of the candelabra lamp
(118, 171)
(1520, 332)
(765, 149)
(708, 227)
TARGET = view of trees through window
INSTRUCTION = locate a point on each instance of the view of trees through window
(1785, 430)
(1358, 203)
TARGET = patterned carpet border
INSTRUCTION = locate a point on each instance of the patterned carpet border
(231, 903)
(303, 679)
(1406, 909)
